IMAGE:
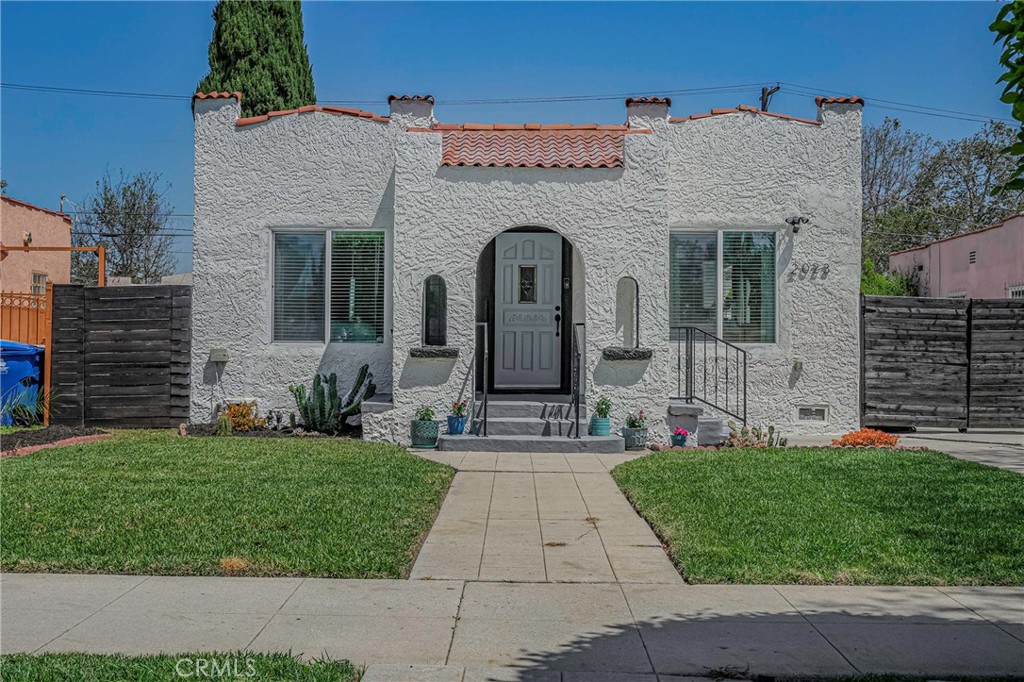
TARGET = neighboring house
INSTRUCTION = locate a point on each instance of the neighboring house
(986, 263)
(328, 237)
(22, 224)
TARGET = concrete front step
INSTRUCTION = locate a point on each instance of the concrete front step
(530, 426)
(537, 409)
(493, 443)
(711, 430)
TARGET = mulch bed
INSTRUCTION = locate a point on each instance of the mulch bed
(354, 432)
(51, 434)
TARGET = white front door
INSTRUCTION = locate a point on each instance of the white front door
(528, 310)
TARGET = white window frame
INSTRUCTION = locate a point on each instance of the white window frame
(327, 232)
(46, 278)
(720, 275)
(1015, 291)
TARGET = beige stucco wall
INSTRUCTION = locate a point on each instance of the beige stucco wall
(47, 229)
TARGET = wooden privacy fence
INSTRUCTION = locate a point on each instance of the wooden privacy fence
(121, 356)
(942, 362)
(25, 318)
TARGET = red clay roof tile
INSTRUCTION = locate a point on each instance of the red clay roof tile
(839, 100)
(25, 204)
(546, 148)
(649, 100)
(741, 108)
(217, 95)
(411, 98)
(342, 111)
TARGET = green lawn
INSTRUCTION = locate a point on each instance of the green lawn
(151, 502)
(817, 515)
(166, 668)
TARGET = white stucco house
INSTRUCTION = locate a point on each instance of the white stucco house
(724, 243)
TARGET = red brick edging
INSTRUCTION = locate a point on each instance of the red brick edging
(29, 449)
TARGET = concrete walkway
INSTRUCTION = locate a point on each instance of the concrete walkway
(475, 631)
(540, 518)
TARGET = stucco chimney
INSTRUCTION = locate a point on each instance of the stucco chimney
(838, 105)
(412, 111)
(643, 112)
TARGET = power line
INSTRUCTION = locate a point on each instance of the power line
(906, 107)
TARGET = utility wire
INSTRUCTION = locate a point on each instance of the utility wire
(797, 89)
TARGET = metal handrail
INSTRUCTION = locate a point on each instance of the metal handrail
(735, 367)
(577, 376)
(482, 430)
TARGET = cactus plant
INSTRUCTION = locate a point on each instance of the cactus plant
(323, 409)
(223, 425)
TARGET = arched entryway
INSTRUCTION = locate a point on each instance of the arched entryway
(530, 293)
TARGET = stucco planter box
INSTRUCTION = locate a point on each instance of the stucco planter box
(434, 352)
(614, 353)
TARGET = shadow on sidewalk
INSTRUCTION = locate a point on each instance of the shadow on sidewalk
(915, 637)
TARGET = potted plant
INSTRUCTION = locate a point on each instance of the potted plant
(457, 419)
(679, 437)
(425, 428)
(635, 431)
(601, 423)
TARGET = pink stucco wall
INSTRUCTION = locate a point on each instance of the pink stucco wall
(947, 268)
(48, 228)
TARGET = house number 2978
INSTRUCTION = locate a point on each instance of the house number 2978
(808, 271)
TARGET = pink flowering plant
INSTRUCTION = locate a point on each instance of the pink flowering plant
(636, 420)
(680, 431)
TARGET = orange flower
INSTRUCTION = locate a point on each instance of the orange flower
(867, 438)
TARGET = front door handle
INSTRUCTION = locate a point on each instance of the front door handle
(558, 326)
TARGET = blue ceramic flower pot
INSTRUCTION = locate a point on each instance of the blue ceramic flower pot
(456, 424)
(600, 426)
(424, 433)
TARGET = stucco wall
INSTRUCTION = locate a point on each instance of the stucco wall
(748, 170)
(47, 229)
(947, 267)
(312, 170)
(739, 170)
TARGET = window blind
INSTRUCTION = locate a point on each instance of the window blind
(357, 286)
(748, 299)
(693, 281)
(298, 287)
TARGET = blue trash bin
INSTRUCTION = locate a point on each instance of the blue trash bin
(20, 377)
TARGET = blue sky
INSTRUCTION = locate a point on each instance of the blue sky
(931, 54)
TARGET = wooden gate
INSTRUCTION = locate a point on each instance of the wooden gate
(25, 318)
(121, 356)
(942, 362)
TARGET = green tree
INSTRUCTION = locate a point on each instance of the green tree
(875, 283)
(1009, 30)
(257, 49)
(127, 215)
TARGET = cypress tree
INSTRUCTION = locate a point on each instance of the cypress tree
(257, 48)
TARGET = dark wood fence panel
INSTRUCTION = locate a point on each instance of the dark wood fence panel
(132, 348)
(997, 363)
(942, 362)
(915, 365)
(67, 362)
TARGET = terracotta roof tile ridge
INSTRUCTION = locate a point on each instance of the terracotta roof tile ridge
(217, 95)
(839, 100)
(509, 127)
(411, 98)
(343, 111)
(649, 100)
(25, 204)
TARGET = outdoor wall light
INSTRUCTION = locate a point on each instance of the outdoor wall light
(796, 221)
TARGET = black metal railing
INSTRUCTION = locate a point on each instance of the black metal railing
(577, 377)
(479, 428)
(721, 380)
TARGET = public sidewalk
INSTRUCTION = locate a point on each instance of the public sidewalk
(526, 631)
